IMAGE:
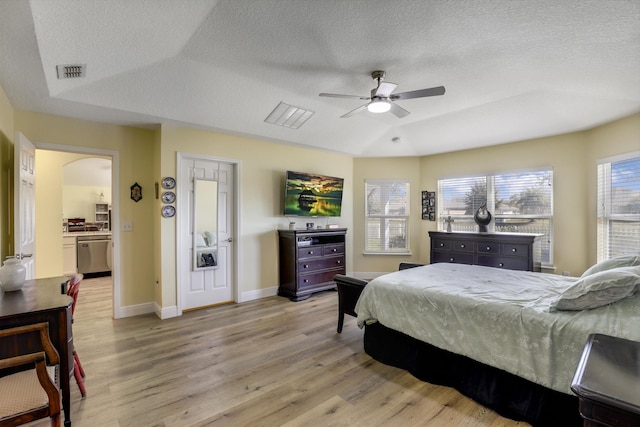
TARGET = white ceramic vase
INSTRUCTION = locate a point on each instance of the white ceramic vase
(12, 275)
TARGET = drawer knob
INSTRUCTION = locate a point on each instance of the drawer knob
(441, 244)
(462, 245)
(306, 280)
(338, 262)
(334, 250)
(501, 265)
(310, 252)
(451, 260)
(514, 250)
(306, 266)
(488, 248)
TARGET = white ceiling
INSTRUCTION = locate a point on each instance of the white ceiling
(513, 70)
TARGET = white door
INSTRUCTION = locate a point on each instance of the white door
(204, 286)
(24, 220)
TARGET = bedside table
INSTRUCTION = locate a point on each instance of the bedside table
(607, 382)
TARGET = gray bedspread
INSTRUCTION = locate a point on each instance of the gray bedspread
(498, 317)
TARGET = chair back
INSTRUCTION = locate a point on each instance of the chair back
(73, 289)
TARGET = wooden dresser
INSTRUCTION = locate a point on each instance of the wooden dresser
(309, 259)
(514, 251)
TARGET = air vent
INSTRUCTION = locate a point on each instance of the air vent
(289, 116)
(71, 71)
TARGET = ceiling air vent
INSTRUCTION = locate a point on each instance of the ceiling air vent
(289, 116)
(71, 71)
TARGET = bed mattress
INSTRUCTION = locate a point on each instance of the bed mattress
(498, 317)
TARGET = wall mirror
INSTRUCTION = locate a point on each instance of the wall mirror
(205, 224)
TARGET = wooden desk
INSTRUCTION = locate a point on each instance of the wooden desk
(607, 382)
(41, 300)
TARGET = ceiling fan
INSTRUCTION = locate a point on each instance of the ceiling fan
(382, 98)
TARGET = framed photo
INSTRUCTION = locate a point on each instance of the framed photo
(429, 205)
(136, 192)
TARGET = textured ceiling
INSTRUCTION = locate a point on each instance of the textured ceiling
(513, 70)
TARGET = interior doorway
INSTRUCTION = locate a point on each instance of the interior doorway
(50, 193)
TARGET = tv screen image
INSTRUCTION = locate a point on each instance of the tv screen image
(309, 194)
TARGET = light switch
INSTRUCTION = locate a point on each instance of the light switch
(127, 226)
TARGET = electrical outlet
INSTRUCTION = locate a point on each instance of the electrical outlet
(127, 226)
(566, 273)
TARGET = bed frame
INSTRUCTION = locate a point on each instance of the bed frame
(507, 394)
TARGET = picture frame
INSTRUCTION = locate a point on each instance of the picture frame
(136, 192)
(429, 205)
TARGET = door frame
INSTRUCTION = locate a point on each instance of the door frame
(117, 311)
(183, 240)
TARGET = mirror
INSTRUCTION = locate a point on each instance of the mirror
(205, 224)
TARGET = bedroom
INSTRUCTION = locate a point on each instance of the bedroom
(147, 155)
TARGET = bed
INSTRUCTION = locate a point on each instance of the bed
(509, 339)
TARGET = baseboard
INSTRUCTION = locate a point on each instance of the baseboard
(136, 310)
(257, 294)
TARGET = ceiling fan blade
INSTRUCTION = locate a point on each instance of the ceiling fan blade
(434, 91)
(384, 89)
(356, 111)
(398, 111)
(337, 95)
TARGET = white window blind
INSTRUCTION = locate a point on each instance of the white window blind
(387, 216)
(619, 206)
(520, 202)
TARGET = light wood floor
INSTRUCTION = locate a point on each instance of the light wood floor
(270, 362)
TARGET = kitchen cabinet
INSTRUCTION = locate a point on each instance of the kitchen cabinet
(102, 216)
(69, 255)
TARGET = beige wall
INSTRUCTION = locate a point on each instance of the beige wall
(135, 148)
(263, 165)
(407, 168)
(6, 166)
(572, 157)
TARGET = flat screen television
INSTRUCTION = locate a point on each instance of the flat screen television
(309, 194)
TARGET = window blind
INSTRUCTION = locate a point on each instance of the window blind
(387, 216)
(520, 202)
(619, 206)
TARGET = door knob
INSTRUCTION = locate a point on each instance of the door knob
(230, 239)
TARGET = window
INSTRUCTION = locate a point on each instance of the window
(387, 216)
(520, 202)
(619, 206)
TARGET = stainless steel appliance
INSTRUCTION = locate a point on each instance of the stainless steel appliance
(94, 254)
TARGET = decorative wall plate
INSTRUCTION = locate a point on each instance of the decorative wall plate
(168, 211)
(168, 197)
(168, 183)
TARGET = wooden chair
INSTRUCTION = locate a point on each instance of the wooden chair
(31, 394)
(73, 288)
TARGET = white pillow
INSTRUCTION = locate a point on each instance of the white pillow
(598, 289)
(608, 264)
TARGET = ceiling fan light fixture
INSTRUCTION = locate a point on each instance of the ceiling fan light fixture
(379, 106)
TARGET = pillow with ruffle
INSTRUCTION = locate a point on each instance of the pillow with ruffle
(608, 264)
(598, 289)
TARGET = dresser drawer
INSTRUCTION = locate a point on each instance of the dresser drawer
(462, 246)
(454, 257)
(488, 247)
(515, 250)
(309, 252)
(510, 263)
(306, 281)
(333, 249)
(320, 263)
(445, 245)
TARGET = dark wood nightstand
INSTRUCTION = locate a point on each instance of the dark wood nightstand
(607, 382)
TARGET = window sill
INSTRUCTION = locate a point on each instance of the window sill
(387, 253)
